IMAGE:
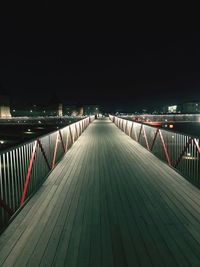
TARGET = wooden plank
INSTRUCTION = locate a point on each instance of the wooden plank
(72, 252)
(63, 208)
(63, 195)
(147, 187)
(106, 233)
(147, 253)
(154, 214)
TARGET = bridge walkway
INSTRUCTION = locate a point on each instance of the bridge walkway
(109, 202)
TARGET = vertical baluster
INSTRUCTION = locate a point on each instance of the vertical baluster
(1, 193)
(9, 182)
(5, 195)
(13, 188)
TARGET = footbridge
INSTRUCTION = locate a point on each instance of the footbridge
(104, 192)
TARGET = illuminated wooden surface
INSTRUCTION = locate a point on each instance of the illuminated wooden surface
(109, 202)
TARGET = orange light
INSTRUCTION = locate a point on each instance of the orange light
(171, 126)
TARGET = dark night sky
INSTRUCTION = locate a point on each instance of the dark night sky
(150, 68)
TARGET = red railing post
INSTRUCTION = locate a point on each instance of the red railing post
(44, 154)
(183, 152)
(197, 145)
(165, 148)
(154, 139)
(28, 173)
(55, 151)
(140, 133)
(62, 142)
(145, 137)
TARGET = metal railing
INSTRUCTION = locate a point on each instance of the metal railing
(25, 167)
(179, 151)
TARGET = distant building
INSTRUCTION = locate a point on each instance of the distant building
(190, 107)
(4, 107)
(171, 109)
(60, 110)
(81, 111)
(187, 107)
(91, 109)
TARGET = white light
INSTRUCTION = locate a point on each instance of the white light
(172, 109)
(13, 110)
(29, 130)
(31, 111)
(2, 142)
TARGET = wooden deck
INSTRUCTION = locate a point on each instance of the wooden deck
(108, 203)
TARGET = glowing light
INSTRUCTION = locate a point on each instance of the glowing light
(2, 142)
(172, 109)
(29, 130)
(171, 126)
(189, 157)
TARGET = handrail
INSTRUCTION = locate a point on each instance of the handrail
(33, 138)
(25, 167)
(166, 129)
(179, 151)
